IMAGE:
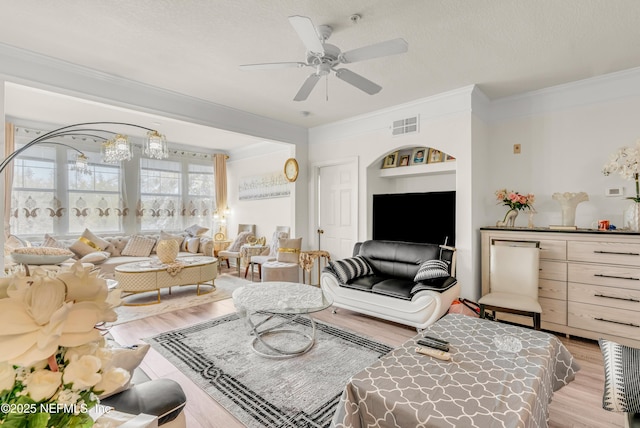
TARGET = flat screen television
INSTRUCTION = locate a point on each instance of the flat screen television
(415, 217)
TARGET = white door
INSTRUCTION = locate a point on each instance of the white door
(337, 214)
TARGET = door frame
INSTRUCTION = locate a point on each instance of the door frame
(314, 202)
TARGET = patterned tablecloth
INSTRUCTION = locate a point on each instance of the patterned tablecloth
(482, 387)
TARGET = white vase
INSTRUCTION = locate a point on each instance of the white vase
(568, 203)
(167, 250)
(632, 217)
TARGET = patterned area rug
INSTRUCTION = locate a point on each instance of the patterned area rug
(297, 392)
(180, 298)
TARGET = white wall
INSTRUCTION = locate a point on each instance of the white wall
(567, 134)
(445, 124)
(266, 214)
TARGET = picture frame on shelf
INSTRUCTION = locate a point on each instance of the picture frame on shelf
(404, 160)
(449, 158)
(435, 156)
(391, 160)
(419, 156)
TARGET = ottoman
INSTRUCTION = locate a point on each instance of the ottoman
(280, 271)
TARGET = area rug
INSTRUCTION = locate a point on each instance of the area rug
(180, 298)
(260, 392)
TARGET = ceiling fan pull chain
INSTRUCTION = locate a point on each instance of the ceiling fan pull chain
(326, 79)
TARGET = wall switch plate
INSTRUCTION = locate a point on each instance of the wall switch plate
(516, 149)
(614, 191)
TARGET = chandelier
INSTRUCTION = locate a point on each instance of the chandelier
(155, 145)
(117, 149)
(115, 146)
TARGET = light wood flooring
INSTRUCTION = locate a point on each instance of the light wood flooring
(578, 404)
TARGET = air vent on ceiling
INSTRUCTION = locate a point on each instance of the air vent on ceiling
(405, 126)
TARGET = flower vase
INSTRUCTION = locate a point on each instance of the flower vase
(509, 219)
(632, 217)
(167, 250)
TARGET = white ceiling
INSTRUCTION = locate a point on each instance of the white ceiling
(194, 47)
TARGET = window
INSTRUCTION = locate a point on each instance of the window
(160, 194)
(94, 200)
(34, 185)
(140, 195)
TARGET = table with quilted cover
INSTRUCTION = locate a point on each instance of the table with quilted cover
(482, 386)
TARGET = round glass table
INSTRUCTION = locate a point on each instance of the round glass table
(260, 303)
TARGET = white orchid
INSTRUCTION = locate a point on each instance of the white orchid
(51, 345)
(626, 162)
(43, 312)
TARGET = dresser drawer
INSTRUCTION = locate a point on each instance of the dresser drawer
(613, 297)
(553, 270)
(606, 321)
(611, 276)
(552, 289)
(617, 253)
(552, 249)
(554, 311)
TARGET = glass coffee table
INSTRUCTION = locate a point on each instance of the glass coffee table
(262, 302)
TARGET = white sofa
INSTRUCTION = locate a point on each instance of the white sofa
(117, 245)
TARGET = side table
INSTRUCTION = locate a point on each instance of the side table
(307, 260)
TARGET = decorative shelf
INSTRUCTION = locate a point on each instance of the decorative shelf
(414, 170)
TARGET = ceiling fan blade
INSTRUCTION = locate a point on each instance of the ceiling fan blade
(358, 81)
(307, 33)
(271, 66)
(377, 50)
(307, 87)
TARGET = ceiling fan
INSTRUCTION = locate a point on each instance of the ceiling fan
(324, 57)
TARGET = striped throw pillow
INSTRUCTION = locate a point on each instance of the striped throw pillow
(621, 377)
(348, 269)
(432, 269)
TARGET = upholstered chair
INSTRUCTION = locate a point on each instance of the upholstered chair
(233, 251)
(513, 276)
(286, 266)
(621, 381)
(271, 254)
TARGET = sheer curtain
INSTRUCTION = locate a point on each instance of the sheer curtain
(9, 147)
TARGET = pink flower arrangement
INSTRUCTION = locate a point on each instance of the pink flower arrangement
(515, 200)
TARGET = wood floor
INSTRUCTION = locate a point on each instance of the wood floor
(577, 405)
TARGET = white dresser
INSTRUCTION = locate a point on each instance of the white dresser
(589, 280)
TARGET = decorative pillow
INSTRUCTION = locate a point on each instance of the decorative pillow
(621, 377)
(432, 269)
(139, 246)
(191, 245)
(88, 243)
(128, 358)
(51, 242)
(14, 242)
(96, 258)
(240, 240)
(289, 250)
(196, 230)
(164, 235)
(350, 268)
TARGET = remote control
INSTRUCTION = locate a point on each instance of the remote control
(444, 356)
(432, 344)
(444, 342)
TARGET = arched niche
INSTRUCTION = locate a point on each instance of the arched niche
(416, 177)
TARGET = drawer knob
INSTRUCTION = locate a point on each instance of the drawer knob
(616, 277)
(617, 322)
(626, 299)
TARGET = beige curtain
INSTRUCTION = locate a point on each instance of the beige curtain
(9, 147)
(220, 173)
